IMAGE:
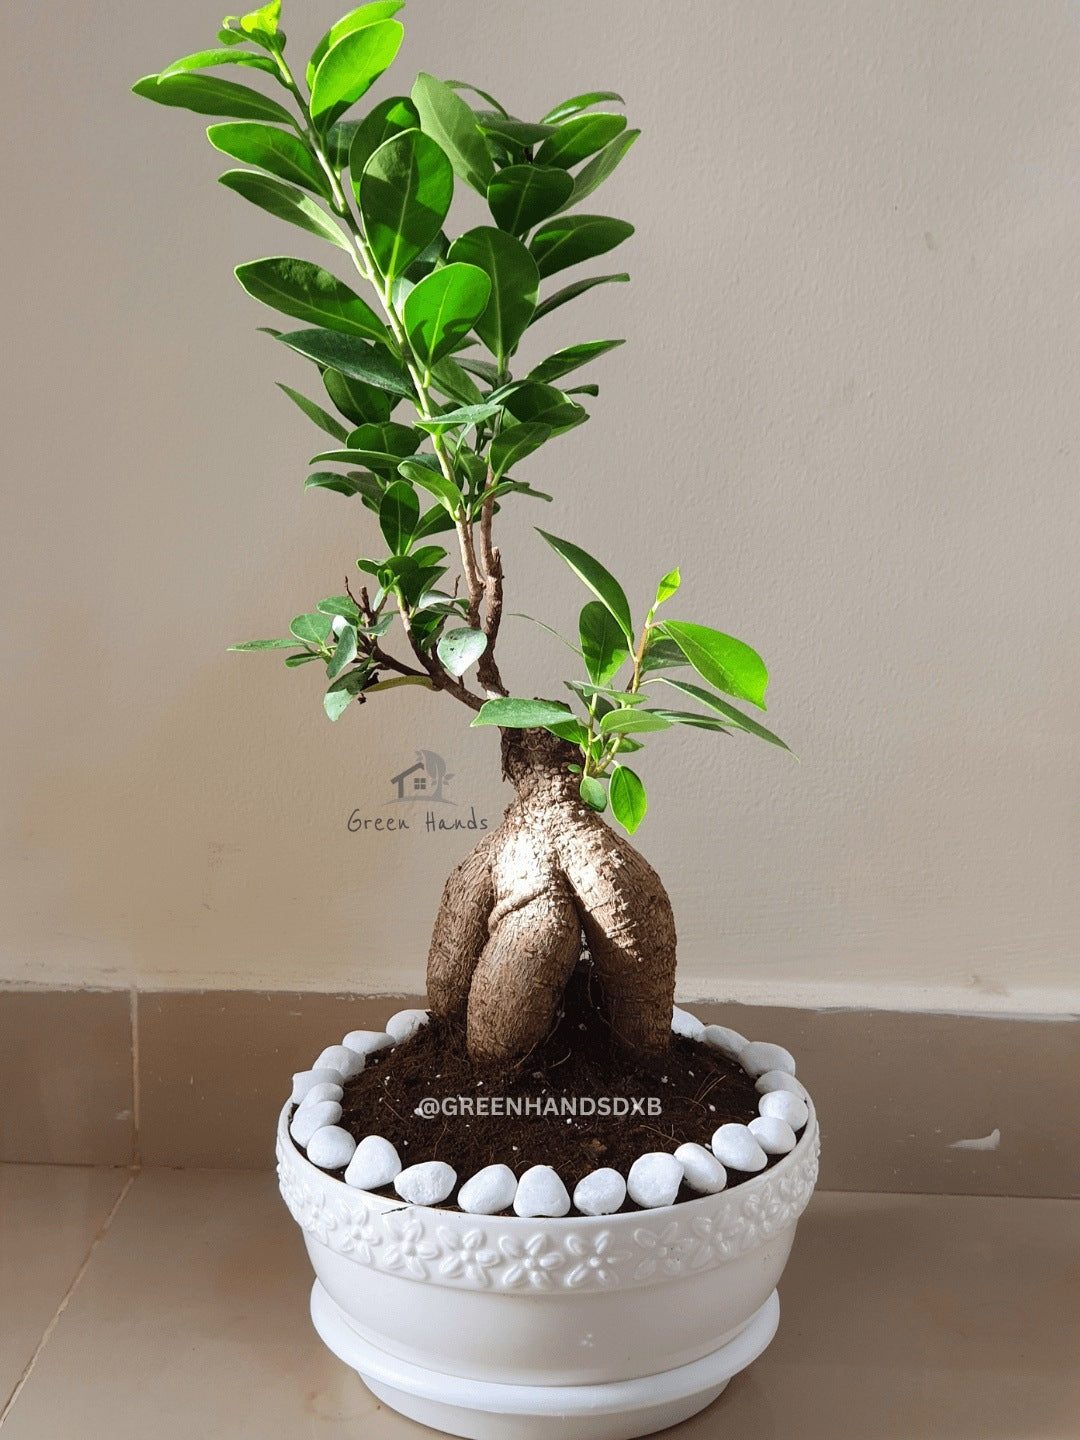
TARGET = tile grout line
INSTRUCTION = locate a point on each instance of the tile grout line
(133, 1175)
(136, 1096)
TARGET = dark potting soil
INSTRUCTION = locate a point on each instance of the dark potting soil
(693, 1088)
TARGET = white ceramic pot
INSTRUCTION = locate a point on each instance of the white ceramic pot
(503, 1328)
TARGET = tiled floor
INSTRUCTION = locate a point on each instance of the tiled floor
(904, 1318)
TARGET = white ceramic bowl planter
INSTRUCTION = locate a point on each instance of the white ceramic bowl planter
(581, 1327)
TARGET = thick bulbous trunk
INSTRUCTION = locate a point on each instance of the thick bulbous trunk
(514, 914)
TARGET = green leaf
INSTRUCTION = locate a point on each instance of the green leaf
(630, 721)
(312, 629)
(344, 653)
(698, 722)
(513, 714)
(577, 103)
(359, 402)
(262, 24)
(572, 239)
(628, 801)
(391, 117)
(207, 59)
(729, 712)
(350, 67)
(399, 515)
(207, 95)
(599, 580)
(443, 308)
(572, 358)
(342, 693)
(321, 417)
(593, 175)
(726, 663)
(279, 151)
(603, 643)
(331, 480)
(571, 292)
(308, 292)
(339, 605)
(510, 133)
(593, 792)
(544, 405)
(520, 196)
(452, 125)
(458, 649)
(515, 283)
(396, 441)
(435, 483)
(514, 443)
(668, 586)
(305, 657)
(265, 645)
(461, 417)
(354, 20)
(451, 380)
(579, 137)
(353, 357)
(662, 654)
(483, 94)
(404, 194)
(284, 201)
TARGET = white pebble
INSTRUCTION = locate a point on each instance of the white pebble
(775, 1136)
(701, 1169)
(541, 1192)
(428, 1183)
(601, 1192)
(759, 1057)
(366, 1042)
(736, 1148)
(489, 1191)
(310, 1118)
(654, 1179)
(779, 1080)
(340, 1058)
(331, 1147)
(405, 1024)
(782, 1105)
(305, 1080)
(729, 1042)
(375, 1164)
(683, 1023)
(326, 1090)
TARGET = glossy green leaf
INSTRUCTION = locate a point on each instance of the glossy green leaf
(603, 643)
(279, 151)
(355, 20)
(262, 24)
(392, 439)
(350, 67)
(353, 357)
(452, 125)
(359, 402)
(462, 417)
(514, 714)
(207, 95)
(475, 90)
(511, 133)
(339, 605)
(344, 653)
(628, 801)
(308, 292)
(284, 201)
(593, 792)
(512, 445)
(572, 239)
(312, 629)
(571, 292)
(451, 380)
(435, 483)
(668, 586)
(331, 480)
(579, 137)
(390, 118)
(631, 721)
(305, 657)
(544, 405)
(515, 283)
(404, 193)
(321, 417)
(265, 645)
(458, 649)
(520, 196)
(343, 692)
(696, 721)
(591, 176)
(726, 663)
(572, 358)
(730, 714)
(399, 515)
(207, 59)
(662, 654)
(599, 580)
(558, 113)
(443, 308)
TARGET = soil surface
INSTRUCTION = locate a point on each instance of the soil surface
(694, 1088)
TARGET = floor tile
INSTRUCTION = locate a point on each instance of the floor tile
(49, 1216)
(904, 1318)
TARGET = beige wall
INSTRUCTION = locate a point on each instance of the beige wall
(848, 407)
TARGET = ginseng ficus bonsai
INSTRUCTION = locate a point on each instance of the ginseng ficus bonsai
(433, 422)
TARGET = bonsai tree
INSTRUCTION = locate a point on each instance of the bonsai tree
(432, 422)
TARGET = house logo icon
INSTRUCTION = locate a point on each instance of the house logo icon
(425, 779)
